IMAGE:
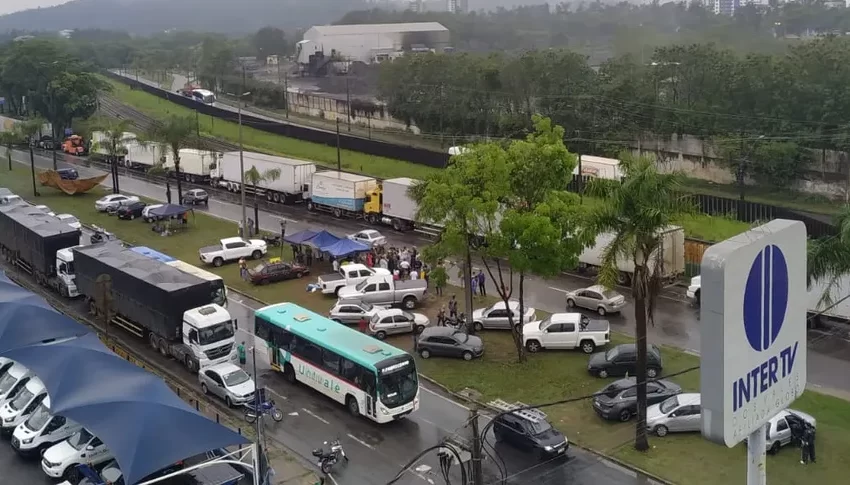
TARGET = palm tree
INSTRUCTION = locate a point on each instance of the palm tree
(636, 212)
(114, 139)
(829, 259)
(175, 133)
(254, 177)
(9, 138)
(28, 130)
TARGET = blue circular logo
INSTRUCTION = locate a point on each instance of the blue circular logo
(766, 298)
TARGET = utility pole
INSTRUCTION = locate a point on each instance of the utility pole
(286, 94)
(477, 472)
(338, 157)
(259, 415)
(348, 101)
(441, 117)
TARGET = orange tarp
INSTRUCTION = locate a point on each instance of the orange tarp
(70, 187)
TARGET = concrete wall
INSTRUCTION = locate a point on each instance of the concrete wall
(332, 108)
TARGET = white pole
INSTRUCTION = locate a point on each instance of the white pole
(255, 456)
(757, 457)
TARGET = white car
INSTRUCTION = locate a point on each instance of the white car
(369, 237)
(13, 379)
(391, 321)
(19, 408)
(42, 430)
(779, 431)
(693, 289)
(59, 460)
(496, 316)
(113, 201)
(229, 382)
(146, 212)
(70, 219)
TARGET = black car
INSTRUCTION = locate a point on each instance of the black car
(528, 429)
(196, 197)
(618, 400)
(68, 174)
(622, 360)
(130, 211)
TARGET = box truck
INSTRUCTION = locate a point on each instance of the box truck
(291, 187)
(599, 167)
(195, 165)
(672, 254)
(341, 193)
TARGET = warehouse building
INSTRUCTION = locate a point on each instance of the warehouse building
(371, 42)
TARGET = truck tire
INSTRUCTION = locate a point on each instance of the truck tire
(696, 297)
(310, 206)
(268, 196)
(217, 262)
(409, 303)
(153, 341)
(190, 364)
(276, 198)
(257, 254)
(587, 346)
(338, 213)
(396, 225)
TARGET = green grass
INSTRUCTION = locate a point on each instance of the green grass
(548, 376)
(266, 142)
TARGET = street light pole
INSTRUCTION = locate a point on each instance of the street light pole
(241, 160)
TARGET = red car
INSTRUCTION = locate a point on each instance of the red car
(266, 273)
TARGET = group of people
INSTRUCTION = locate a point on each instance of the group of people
(803, 433)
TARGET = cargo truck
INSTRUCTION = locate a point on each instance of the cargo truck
(672, 254)
(340, 193)
(599, 167)
(38, 244)
(220, 297)
(389, 204)
(195, 165)
(291, 187)
(100, 146)
(172, 310)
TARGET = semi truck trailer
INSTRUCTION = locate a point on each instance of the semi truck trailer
(195, 165)
(171, 309)
(672, 254)
(292, 186)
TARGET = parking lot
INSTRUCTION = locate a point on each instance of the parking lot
(16, 470)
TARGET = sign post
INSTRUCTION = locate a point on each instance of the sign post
(753, 352)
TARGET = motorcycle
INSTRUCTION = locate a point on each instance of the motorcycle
(273, 241)
(266, 407)
(100, 235)
(330, 458)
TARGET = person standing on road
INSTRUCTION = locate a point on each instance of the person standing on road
(362, 325)
(240, 352)
(441, 317)
(482, 289)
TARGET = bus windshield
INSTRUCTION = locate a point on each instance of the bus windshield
(398, 383)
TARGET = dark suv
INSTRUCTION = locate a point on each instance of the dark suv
(131, 211)
(622, 359)
(618, 400)
(528, 429)
(196, 197)
(68, 173)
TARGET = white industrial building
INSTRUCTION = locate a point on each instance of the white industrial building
(371, 42)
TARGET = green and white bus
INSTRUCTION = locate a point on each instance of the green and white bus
(370, 377)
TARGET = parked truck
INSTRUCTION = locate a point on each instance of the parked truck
(172, 310)
(195, 165)
(292, 186)
(143, 156)
(599, 167)
(100, 146)
(38, 243)
(389, 204)
(672, 255)
(348, 275)
(383, 290)
(340, 193)
(232, 249)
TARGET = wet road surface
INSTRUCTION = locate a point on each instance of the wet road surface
(15, 470)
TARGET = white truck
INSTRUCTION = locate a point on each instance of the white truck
(672, 255)
(383, 290)
(566, 331)
(341, 193)
(195, 165)
(143, 156)
(100, 145)
(397, 208)
(292, 186)
(348, 275)
(599, 167)
(233, 249)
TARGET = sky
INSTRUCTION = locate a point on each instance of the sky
(9, 6)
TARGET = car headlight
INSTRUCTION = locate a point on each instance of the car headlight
(383, 410)
(26, 441)
(8, 420)
(548, 448)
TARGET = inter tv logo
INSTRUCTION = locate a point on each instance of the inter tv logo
(766, 298)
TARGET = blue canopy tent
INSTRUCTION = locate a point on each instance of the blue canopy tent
(299, 237)
(146, 251)
(321, 240)
(10, 292)
(345, 247)
(22, 325)
(169, 210)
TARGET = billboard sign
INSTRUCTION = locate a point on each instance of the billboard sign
(753, 319)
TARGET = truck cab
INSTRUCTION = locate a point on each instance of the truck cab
(42, 430)
(208, 335)
(65, 278)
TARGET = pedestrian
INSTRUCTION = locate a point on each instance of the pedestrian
(441, 316)
(336, 265)
(807, 444)
(294, 252)
(240, 352)
(243, 269)
(482, 288)
(309, 255)
(363, 325)
(812, 433)
(453, 307)
(414, 275)
(474, 285)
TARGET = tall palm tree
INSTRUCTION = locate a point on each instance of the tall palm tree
(175, 133)
(10, 138)
(636, 212)
(29, 130)
(829, 258)
(113, 141)
(254, 177)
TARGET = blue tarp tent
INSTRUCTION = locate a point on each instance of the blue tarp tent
(10, 292)
(146, 251)
(322, 240)
(299, 237)
(22, 325)
(169, 210)
(344, 247)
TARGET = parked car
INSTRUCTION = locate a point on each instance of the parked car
(59, 460)
(70, 219)
(112, 201)
(566, 331)
(369, 237)
(618, 400)
(266, 273)
(780, 426)
(693, 292)
(146, 212)
(448, 342)
(528, 429)
(228, 382)
(196, 197)
(130, 211)
(496, 316)
(679, 414)
(384, 290)
(597, 298)
(622, 360)
(391, 321)
(232, 249)
(350, 312)
(348, 275)
(68, 173)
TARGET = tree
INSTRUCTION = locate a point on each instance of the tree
(636, 212)
(174, 134)
(270, 41)
(114, 139)
(829, 258)
(29, 130)
(254, 177)
(9, 138)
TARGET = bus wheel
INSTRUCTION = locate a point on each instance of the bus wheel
(289, 373)
(353, 407)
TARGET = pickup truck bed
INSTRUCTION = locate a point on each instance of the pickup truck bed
(209, 249)
(596, 326)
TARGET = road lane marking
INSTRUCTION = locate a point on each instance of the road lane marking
(333, 479)
(311, 413)
(444, 398)
(558, 289)
(367, 445)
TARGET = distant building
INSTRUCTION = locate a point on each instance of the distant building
(66, 33)
(729, 7)
(461, 6)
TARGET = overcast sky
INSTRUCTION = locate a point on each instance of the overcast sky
(9, 6)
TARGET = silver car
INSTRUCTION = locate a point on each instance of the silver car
(229, 382)
(392, 321)
(780, 426)
(349, 312)
(677, 414)
(496, 316)
(597, 298)
(369, 237)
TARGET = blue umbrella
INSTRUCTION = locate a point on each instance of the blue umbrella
(23, 325)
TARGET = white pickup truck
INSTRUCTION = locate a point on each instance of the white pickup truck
(383, 290)
(566, 331)
(348, 275)
(233, 249)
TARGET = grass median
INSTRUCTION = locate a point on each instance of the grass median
(546, 377)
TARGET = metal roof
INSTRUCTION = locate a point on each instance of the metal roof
(140, 266)
(270, 158)
(399, 28)
(347, 176)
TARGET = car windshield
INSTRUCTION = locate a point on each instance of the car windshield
(216, 333)
(236, 378)
(22, 399)
(39, 418)
(399, 384)
(80, 439)
(544, 323)
(376, 318)
(612, 390)
(612, 354)
(408, 316)
(669, 404)
(7, 382)
(259, 268)
(461, 337)
(366, 307)
(610, 294)
(540, 426)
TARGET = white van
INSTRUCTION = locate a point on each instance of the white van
(5, 365)
(42, 430)
(60, 460)
(12, 380)
(19, 408)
